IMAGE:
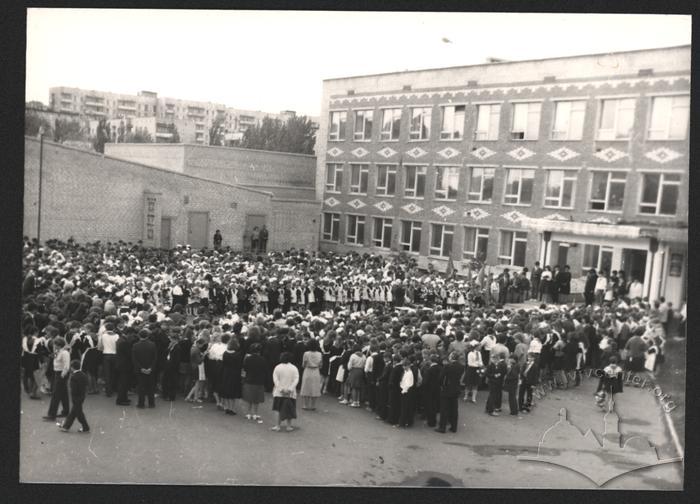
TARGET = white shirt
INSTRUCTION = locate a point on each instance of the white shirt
(216, 351)
(285, 377)
(535, 346)
(488, 342)
(109, 343)
(601, 283)
(474, 359)
(406, 380)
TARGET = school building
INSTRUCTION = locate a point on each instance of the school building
(578, 160)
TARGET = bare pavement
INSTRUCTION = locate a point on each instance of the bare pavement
(184, 443)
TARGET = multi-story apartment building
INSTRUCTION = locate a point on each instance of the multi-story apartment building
(192, 115)
(579, 161)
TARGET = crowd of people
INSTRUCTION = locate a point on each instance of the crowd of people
(375, 332)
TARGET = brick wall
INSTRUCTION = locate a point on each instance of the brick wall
(93, 197)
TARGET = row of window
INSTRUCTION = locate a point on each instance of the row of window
(512, 245)
(659, 193)
(511, 251)
(668, 120)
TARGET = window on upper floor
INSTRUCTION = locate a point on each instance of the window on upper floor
(616, 118)
(519, 184)
(391, 124)
(481, 184)
(446, 182)
(420, 123)
(561, 187)
(452, 122)
(660, 193)
(359, 175)
(669, 117)
(607, 190)
(363, 125)
(334, 177)
(386, 180)
(568, 120)
(336, 130)
(487, 120)
(526, 121)
(415, 182)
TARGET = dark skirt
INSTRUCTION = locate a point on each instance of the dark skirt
(213, 373)
(30, 362)
(286, 406)
(356, 378)
(472, 379)
(254, 394)
(637, 364)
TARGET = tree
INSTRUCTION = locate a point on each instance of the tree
(67, 130)
(296, 135)
(32, 123)
(101, 137)
(176, 136)
(217, 130)
(139, 136)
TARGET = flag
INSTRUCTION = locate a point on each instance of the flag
(450, 271)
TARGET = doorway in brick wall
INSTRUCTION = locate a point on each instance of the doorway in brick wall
(165, 230)
(198, 229)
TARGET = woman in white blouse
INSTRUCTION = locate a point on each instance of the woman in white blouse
(285, 377)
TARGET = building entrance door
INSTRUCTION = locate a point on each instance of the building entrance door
(165, 224)
(562, 255)
(198, 229)
(634, 263)
(251, 222)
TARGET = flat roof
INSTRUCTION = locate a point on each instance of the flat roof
(509, 62)
(200, 146)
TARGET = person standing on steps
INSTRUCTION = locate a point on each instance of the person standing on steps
(254, 240)
(217, 240)
(264, 235)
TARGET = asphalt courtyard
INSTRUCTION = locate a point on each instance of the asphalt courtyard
(184, 443)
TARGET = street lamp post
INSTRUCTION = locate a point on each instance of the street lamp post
(41, 171)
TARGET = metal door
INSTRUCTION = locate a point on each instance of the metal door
(563, 255)
(198, 229)
(165, 226)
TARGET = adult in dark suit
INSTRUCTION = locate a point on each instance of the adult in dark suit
(172, 367)
(431, 390)
(124, 370)
(535, 281)
(394, 388)
(271, 353)
(450, 377)
(529, 378)
(564, 282)
(144, 357)
(589, 289)
(78, 391)
(495, 372)
(383, 387)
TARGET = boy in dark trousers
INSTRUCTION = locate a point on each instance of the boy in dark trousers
(78, 390)
(510, 384)
(495, 373)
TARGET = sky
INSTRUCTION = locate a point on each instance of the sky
(275, 60)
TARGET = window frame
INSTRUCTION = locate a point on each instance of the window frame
(383, 190)
(571, 175)
(601, 108)
(331, 122)
(357, 188)
(424, 170)
(426, 122)
(486, 136)
(384, 224)
(382, 133)
(514, 240)
(659, 194)
(520, 169)
(437, 192)
(480, 233)
(335, 219)
(415, 226)
(443, 226)
(364, 135)
(454, 133)
(667, 136)
(568, 136)
(609, 183)
(351, 235)
(527, 134)
(470, 192)
(599, 256)
(337, 185)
